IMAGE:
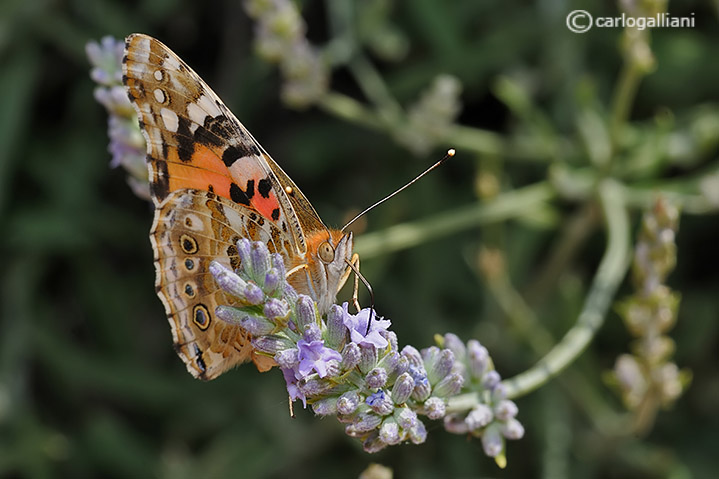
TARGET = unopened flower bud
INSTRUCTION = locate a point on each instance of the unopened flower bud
(287, 358)
(441, 366)
(336, 329)
(253, 294)
(351, 356)
(306, 313)
(406, 418)
(348, 402)
(491, 379)
(271, 344)
(325, 407)
(376, 378)
(228, 280)
(435, 408)
(276, 309)
(418, 433)
(312, 333)
(368, 358)
(260, 260)
(450, 385)
(422, 388)
(373, 443)
(402, 389)
(513, 429)
(273, 280)
(366, 422)
(478, 417)
(505, 409)
(243, 250)
(478, 358)
(454, 344)
(413, 356)
(278, 264)
(456, 424)
(492, 441)
(380, 403)
(389, 432)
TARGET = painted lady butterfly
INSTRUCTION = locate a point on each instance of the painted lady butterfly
(212, 184)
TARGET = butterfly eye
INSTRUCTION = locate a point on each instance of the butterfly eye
(326, 252)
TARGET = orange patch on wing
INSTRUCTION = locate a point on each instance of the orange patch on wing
(265, 206)
(209, 159)
(204, 171)
(186, 176)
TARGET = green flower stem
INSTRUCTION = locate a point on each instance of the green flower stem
(479, 141)
(345, 50)
(512, 204)
(609, 275)
(581, 391)
(462, 402)
(521, 317)
(463, 138)
(342, 47)
(349, 109)
(577, 228)
(623, 99)
(578, 184)
(372, 85)
(556, 419)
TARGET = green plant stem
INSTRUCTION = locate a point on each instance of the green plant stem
(609, 275)
(342, 47)
(349, 109)
(511, 204)
(580, 184)
(623, 99)
(463, 138)
(372, 85)
(574, 233)
(523, 320)
(479, 141)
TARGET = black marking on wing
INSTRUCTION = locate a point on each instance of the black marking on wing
(264, 187)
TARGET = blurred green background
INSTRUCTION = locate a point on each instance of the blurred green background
(89, 383)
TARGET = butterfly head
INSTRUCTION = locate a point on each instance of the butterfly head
(327, 255)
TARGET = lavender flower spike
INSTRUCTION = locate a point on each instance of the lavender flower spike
(371, 387)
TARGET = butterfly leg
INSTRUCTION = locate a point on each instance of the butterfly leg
(306, 270)
(355, 290)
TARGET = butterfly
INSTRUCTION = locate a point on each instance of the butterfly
(211, 184)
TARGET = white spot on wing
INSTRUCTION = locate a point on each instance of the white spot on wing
(193, 222)
(158, 75)
(196, 113)
(169, 118)
(172, 63)
(208, 105)
(159, 95)
(246, 168)
(142, 52)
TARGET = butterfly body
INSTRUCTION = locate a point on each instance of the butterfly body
(212, 184)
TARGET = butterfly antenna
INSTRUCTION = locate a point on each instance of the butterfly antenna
(448, 155)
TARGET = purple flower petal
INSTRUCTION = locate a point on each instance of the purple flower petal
(360, 334)
(315, 355)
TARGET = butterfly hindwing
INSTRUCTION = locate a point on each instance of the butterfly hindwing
(191, 229)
